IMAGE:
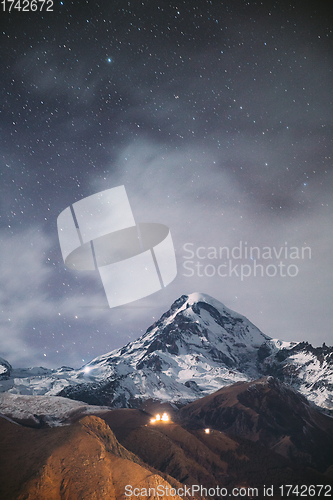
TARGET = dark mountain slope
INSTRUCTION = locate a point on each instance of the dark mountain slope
(270, 413)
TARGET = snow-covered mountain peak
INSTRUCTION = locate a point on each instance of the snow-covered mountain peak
(195, 322)
(198, 307)
(196, 347)
(5, 369)
(200, 315)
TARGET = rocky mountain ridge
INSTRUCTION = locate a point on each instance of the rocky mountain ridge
(248, 434)
(194, 349)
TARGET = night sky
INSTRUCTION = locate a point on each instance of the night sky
(217, 118)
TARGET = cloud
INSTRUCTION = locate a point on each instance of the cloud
(207, 205)
(35, 304)
(23, 272)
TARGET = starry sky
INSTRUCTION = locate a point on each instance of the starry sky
(217, 118)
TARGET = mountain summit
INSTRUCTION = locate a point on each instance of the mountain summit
(194, 349)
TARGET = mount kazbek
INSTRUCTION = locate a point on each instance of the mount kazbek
(197, 347)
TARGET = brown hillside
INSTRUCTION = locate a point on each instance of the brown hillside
(270, 413)
(83, 461)
(177, 452)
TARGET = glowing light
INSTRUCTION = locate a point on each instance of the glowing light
(158, 418)
(86, 369)
(207, 431)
